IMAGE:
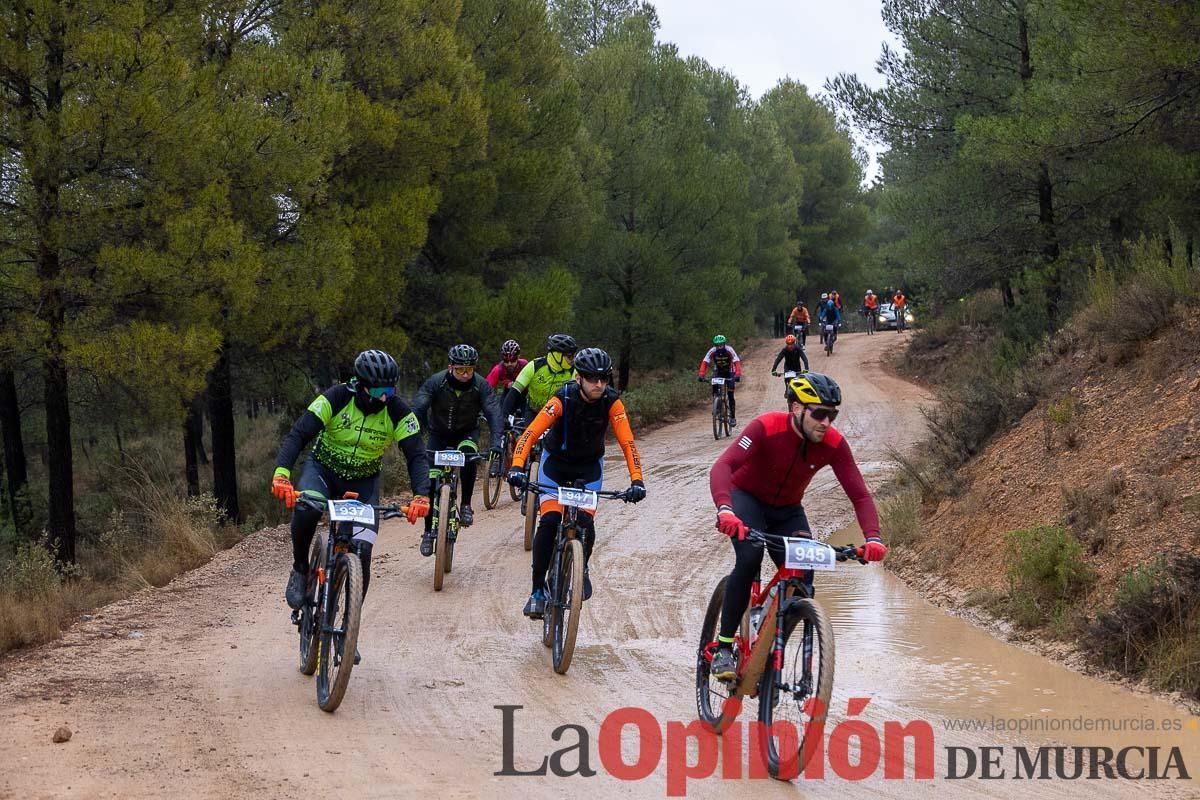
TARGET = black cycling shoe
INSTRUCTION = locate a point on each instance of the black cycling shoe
(536, 607)
(587, 585)
(724, 665)
(427, 540)
(297, 588)
(357, 657)
(466, 516)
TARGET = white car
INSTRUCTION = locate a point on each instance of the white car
(887, 316)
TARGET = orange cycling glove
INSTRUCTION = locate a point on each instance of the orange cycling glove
(418, 507)
(729, 524)
(282, 489)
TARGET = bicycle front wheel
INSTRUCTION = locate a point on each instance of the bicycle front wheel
(441, 564)
(717, 415)
(531, 508)
(510, 447)
(491, 489)
(309, 627)
(339, 631)
(711, 694)
(568, 601)
(796, 696)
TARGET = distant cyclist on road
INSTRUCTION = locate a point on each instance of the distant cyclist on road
(899, 306)
(577, 417)
(448, 405)
(829, 316)
(792, 356)
(507, 368)
(353, 423)
(726, 364)
(799, 316)
(759, 482)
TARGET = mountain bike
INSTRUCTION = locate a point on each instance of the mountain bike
(564, 581)
(495, 479)
(872, 316)
(528, 499)
(784, 650)
(800, 331)
(329, 618)
(445, 475)
(720, 408)
(830, 338)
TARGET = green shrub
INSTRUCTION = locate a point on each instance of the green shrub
(657, 398)
(900, 516)
(1046, 573)
(1152, 631)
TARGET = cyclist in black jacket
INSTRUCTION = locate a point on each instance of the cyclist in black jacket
(791, 355)
(448, 406)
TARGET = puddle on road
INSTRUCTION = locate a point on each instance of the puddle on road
(912, 657)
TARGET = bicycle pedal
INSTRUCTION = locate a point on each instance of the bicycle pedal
(296, 617)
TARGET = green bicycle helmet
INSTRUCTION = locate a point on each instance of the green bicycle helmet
(719, 339)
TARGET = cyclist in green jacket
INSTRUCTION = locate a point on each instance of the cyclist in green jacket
(542, 377)
(353, 424)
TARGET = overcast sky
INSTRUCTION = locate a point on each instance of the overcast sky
(761, 41)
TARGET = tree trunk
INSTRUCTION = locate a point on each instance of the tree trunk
(61, 518)
(626, 357)
(14, 450)
(46, 176)
(220, 419)
(191, 470)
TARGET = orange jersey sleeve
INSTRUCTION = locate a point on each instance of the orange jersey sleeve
(550, 414)
(619, 421)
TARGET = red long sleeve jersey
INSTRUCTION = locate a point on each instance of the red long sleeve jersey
(774, 464)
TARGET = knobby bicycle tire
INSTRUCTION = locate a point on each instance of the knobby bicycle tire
(718, 416)
(570, 603)
(309, 628)
(491, 489)
(440, 567)
(708, 632)
(803, 618)
(531, 508)
(335, 659)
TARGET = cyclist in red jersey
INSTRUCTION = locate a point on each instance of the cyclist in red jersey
(507, 368)
(759, 482)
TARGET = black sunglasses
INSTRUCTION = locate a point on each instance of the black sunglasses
(822, 414)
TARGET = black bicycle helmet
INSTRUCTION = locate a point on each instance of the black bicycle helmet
(561, 343)
(510, 349)
(813, 388)
(463, 355)
(593, 361)
(375, 368)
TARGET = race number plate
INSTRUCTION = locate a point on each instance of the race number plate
(450, 458)
(580, 498)
(351, 511)
(718, 381)
(828, 327)
(787, 376)
(809, 554)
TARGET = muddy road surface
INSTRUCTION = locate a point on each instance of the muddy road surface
(205, 701)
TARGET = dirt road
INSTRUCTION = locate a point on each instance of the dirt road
(206, 702)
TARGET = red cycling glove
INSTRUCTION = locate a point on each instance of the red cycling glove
(874, 549)
(729, 524)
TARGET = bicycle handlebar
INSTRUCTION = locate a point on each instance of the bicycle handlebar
(546, 488)
(846, 552)
(385, 512)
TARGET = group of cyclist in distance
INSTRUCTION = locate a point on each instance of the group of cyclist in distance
(567, 395)
(830, 311)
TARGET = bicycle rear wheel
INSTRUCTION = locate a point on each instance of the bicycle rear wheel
(491, 489)
(309, 627)
(799, 694)
(711, 694)
(339, 631)
(568, 600)
(531, 508)
(440, 554)
(718, 414)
